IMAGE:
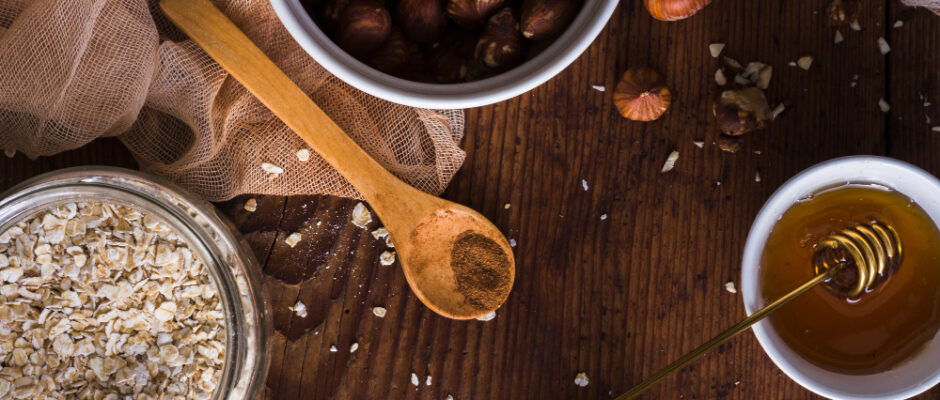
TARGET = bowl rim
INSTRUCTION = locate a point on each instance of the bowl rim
(800, 185)
(591, 19)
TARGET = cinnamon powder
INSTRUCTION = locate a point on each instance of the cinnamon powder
(482, 270)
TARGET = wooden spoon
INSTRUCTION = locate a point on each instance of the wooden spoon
(457, 262)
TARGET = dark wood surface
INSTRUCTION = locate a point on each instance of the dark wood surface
(615, 298)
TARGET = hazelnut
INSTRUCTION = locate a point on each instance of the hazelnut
(841, 12)
(501, 45)
(392, 57)
(542, 19)
(741, 111)
(421, 20)
(641, 95)
(363, 26)
(472, 14)
(674, 10)
(730, 144)
(449, 58)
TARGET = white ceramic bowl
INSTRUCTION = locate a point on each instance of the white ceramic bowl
(582, 31)
(910, 378)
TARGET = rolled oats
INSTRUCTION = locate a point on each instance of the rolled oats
(99, 301)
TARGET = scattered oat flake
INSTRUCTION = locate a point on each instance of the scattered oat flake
(855, 26)
(777, 111)
(428, 380)
(303, 155)
(414, 379)
(488, 316)
(733, 63)
(380, 233)
(293, 239)
(272, 169)
(361, 216)
(584, 185)
(805, 62)
(599, 88)
(379, 311)
(698, 143)
(729, 286)
(883, 46)
(354, 347)
(581, 379)
(720, 78)
(670, 161)
(898, 23)
(507, 206)
(251, 205)
(792, 63)
(387, 258)
(449, 397)
(715, 49)
(333, 349)
(603, 217)
(757, 176)
(838, 38)
(512, 243)
(883, 105)
(300, 309)
(935, 129)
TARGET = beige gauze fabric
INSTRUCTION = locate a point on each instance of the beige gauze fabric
(75, 70)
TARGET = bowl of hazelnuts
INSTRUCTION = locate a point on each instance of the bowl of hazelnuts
(444, 53)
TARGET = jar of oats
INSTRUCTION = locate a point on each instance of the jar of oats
(114, 285)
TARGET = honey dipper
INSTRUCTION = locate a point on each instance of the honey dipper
(455, 260)
(875, 251)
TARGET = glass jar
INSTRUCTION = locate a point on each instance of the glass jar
(230, 261)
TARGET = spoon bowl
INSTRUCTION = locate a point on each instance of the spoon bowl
(456, 262)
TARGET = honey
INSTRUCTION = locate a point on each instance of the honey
(885, 325)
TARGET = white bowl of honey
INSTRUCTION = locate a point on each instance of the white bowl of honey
(882, 344)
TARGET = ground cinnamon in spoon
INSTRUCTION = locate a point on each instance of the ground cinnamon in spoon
(481, 268)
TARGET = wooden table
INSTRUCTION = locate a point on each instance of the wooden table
(616, 298)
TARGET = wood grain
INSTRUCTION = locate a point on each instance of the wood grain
(615, 298)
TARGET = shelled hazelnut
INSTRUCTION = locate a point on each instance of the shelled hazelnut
(741, 111)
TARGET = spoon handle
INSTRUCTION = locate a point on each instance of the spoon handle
(727, 334)
(233, 50)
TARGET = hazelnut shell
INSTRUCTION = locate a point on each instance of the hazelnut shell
(364, 25)
(501, 45)
(674, 10)
(421, 20)
(393, 56)
(472, 14)
(841, 12)
(542, 19)
(641, 95)
(449, 59)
